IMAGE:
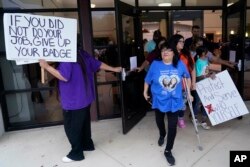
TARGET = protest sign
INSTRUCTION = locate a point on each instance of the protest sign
(220, 98)
(32, 37)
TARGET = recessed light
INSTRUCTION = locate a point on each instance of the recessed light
(164, 4)
(92, 5)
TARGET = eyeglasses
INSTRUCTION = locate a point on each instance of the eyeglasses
(181, 41)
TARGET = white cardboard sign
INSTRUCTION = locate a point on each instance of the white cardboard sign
(221, 98)
(33, 37)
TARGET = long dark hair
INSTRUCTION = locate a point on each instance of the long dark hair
(81, 61)
(173, 41)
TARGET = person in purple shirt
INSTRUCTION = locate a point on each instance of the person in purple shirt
(76, 91)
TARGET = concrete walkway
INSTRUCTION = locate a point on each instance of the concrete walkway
(44, 147)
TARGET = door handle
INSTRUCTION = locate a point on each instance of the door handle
(123, 74)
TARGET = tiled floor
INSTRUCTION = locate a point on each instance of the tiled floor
(44, 147)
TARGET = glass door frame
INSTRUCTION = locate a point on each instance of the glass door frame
(130, 115)
(237, 8)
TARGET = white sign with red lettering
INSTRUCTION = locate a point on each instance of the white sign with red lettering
(221, 98)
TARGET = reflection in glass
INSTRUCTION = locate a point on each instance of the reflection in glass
(157, 2)
(109, 97)
(105, 50)
(233, 22)
(231, 2)
(22, 109)
(204, 3)
(103, 3)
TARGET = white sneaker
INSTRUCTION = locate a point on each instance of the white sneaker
(66, 159)
(205, 126)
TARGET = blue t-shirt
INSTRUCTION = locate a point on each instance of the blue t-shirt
(201, 67)
(75, 93)
(150, 46)
(166, 85)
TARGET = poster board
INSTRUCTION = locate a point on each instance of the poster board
(29, 38)
(221, 98)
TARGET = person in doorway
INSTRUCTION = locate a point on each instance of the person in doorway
(166, 100)
(151, 44)
(195, 34)
(154, 55)
(202, 72)
(76, 90)
(213, 57)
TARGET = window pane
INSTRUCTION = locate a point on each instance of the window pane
(102, 3)
(230, 2)
(213, 25)
(30, 108)
(104, 33)
(157, 2)
(130, 2)
(109, 100)
(204, 3)
(39, 4)
(104, 25)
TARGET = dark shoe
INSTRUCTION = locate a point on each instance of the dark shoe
(169, 157)
(161, 141)
(88, 148)
(239, 118)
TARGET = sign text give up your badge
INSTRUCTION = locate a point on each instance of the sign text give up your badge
(33, 37)
(220, 98)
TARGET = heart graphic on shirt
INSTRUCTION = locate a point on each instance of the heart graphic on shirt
(169, 82)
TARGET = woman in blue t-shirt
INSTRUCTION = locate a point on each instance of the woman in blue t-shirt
(164, 77)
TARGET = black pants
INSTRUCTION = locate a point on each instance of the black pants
(172, 126)
(78, 131)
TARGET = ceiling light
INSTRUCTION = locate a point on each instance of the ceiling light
(229, 4)
(164, 4)
(92, 5)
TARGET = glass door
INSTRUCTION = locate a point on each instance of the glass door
(246, 94)
(235, 27)
(129, 39)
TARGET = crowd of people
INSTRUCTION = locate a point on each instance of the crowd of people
(168, 63)
(176, 59)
